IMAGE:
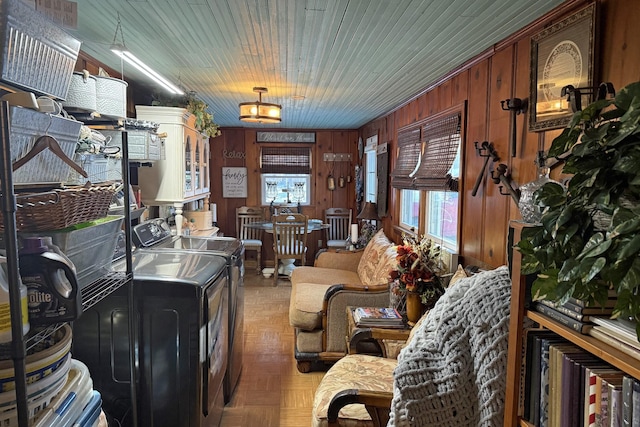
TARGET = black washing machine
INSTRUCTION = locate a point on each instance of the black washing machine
(180, 299)
(156, 235)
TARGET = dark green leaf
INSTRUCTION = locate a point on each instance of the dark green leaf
(569, 271)
(550, 194)
(563, 142)
(590, 268)
(631, 248)
(529, 265)
(594, 246)
(544, 286)
(625, 96)
(631, 280)
(570, 232)
(629, 226)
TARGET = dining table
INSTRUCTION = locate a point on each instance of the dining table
(287, 266)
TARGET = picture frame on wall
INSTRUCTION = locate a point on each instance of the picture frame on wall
(561, 55)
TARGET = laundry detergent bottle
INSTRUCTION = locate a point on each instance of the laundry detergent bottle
(51, 282)
(5, 306)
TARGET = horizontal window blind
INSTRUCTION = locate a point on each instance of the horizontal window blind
(408, 158)
(289, 160)
(440, 140)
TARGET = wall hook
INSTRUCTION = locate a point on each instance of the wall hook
(515, 106)
(574, 94)
(500, 175)
(487, 151)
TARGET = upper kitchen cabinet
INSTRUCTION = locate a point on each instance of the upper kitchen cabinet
(183, 175)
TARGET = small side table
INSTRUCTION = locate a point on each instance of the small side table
(369, 340)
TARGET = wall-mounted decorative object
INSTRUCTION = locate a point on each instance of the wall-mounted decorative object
(561, 54)
(234, 182)
(487, 151)
(502, 176)
(515, 106)
(302, 137)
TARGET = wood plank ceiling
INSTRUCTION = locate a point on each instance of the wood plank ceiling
(331, 64)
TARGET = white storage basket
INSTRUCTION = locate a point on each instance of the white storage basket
(99, 168)
(26, 127)
(111, 96)
(82, 93)
(38, 56)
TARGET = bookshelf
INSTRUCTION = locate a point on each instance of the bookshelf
(609, 354)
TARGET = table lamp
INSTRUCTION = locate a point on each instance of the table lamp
(368, 224)
(369, 212)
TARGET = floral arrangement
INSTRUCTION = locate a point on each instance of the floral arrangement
(419, 269)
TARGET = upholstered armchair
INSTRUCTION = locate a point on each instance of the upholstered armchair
(451, 372)
(321, 294)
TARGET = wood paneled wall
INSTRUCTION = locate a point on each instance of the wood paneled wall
(500, 73)
(238, 147)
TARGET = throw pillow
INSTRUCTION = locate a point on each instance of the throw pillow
(459, 274)
(387, 263)
(371, 256)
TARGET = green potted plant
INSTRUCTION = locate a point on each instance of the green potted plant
(204, 120)
(588, 241)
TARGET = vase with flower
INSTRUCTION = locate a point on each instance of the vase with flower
(418, 275)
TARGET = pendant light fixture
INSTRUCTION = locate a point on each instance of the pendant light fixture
(121, 50)
(258, 111)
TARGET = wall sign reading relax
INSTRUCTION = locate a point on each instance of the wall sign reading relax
(234, 182)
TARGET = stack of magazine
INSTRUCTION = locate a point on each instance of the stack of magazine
(617, 333)
(377, 317)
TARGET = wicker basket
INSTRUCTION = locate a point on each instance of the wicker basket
(61, 208)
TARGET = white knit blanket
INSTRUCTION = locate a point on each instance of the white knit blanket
(452, 373)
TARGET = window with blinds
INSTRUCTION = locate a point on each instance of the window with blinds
(287, 160)
(409, 151)
(440, 139)
(285, 174)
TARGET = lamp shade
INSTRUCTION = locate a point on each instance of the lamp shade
(369, 211)
(258, 111)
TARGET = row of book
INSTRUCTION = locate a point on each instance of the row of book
(593, 320)
(377, 317)
(565, 386)
(575, 314)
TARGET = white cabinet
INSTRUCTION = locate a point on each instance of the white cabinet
(183, 175)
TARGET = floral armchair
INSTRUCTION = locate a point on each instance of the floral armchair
(430, 384)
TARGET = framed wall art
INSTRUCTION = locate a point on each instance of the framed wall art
(303, 137)
(234, 182)
(561, 55)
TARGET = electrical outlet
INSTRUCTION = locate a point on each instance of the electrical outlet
(319, 243)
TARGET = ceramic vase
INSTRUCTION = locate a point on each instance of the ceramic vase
(414, 307)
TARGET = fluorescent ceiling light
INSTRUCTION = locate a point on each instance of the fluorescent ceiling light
(123, 53)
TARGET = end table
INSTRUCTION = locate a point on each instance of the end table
(367, 340)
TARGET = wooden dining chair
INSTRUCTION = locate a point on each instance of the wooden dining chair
(339, 220)
(289, 240)
(251, 237)
(283, 208)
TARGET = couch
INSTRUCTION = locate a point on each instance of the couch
(321, 293)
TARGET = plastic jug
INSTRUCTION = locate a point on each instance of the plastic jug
(5, 312)
(51, 283)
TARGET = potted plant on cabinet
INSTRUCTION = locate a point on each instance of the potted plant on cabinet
(204, 120)
(588, 241)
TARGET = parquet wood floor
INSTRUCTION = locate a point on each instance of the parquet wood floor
(271, 391)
